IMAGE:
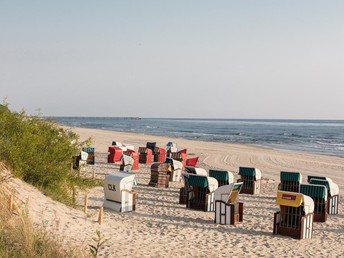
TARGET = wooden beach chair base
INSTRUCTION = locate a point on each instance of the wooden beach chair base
(228, 214)
(302, 230)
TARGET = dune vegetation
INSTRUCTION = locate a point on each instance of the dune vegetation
(39, 152)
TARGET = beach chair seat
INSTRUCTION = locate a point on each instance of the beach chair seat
(145, 155)
(118, 192)
(296, 215)
(251, 178)
(332, 193)
(90, 157)
(290, 181)
(135, 157)
(202, 193)
(228, 209)
(319, 195)
(115, 155)
(160, 175)
(223, 177)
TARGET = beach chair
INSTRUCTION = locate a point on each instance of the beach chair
(115, 155)
(183, 192)
(192, 162)
(145, 155)
(228, 209)
(80, 160)
(159, 154)
(251, 178)
(319, 195)
(290, 181)
(135, 157)
(177, 168)
(160, 175)
(223, 177)
(332, 193)
(296, 215)
(202, 193)
(90, 157)
(171, 147)
(118, 192)
(127, 163)
(180, 156)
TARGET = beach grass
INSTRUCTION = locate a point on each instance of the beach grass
(20, 238)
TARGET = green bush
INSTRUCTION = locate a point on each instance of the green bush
(38, 150)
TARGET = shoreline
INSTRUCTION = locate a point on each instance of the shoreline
(274, 146)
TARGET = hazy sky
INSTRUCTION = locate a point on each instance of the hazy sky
(211, 59)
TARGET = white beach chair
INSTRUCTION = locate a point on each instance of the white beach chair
(228, 209)
(118, 192)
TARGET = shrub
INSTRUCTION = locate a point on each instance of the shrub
(38, 151)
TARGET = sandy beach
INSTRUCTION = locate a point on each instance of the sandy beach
(160, 226)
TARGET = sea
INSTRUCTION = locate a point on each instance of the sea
(324, 137)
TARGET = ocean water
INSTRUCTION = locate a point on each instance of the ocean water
(324, 137)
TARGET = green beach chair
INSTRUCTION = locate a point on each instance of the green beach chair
(319, 195)
(251, 178)
(202, 192)
(223, 177)
(332, 192)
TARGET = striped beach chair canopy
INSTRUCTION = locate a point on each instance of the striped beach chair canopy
(332, 188)
(309, 178)
(295, 200)
(203, 182)
(88, 149)
(291, 176)
(248, 171)
(222, 175)
(314, 191)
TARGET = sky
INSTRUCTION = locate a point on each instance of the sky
(177, 59)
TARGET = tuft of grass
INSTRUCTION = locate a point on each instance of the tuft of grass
(100, 241)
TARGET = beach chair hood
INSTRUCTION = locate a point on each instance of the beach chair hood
(223, 192)
(246, 171)
(295, 200)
